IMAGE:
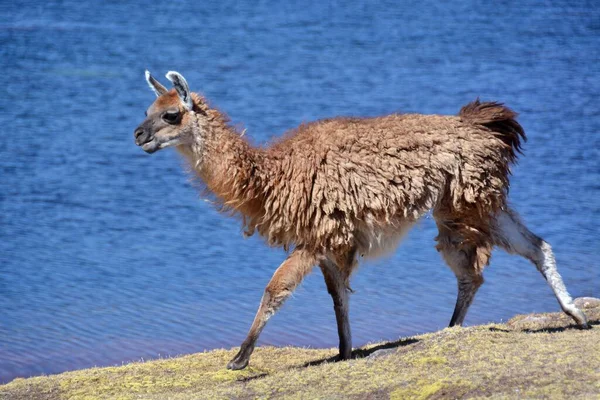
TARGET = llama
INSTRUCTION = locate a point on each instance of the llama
(339, 189)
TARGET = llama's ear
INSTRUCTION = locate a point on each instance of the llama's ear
(182, 88)
(155, 85)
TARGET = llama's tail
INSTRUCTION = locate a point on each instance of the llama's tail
(499, 119)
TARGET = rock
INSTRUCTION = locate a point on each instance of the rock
(381, 353)
(538, 321)
(587, 302)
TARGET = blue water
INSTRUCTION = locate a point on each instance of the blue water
(109, 255)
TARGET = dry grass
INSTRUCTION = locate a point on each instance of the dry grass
(535, 356)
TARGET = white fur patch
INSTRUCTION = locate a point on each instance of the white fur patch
(513, 236)
(376, 241)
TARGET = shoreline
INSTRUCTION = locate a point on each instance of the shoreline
(531, 356)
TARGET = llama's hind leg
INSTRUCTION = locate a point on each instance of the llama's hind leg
(514, 237)
(468, 284)
(467, 262)
(282, 284)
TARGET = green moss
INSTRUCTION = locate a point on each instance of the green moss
(420, 391)
(523, 358)
(226, 375)
(434, 360)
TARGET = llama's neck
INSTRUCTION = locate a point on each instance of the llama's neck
(229, 166)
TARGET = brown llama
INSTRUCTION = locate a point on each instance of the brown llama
(341, 188)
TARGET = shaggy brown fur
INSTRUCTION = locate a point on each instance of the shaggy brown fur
(320, 185)
(338, 188)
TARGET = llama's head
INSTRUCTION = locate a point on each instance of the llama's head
(170, 120)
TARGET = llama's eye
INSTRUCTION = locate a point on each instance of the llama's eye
(171, 116)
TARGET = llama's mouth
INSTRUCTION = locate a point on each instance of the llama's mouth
(154, 145)
(150, 147)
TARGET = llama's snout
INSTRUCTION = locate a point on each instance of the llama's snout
(145, 139)
(142, 136)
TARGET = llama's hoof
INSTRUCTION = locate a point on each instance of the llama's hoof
(584, 325)
(580, 318)
(237, 364)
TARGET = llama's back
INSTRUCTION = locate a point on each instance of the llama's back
(363, 181)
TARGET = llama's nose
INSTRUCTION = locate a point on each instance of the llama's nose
(141, 136)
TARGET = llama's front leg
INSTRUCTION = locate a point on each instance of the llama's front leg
(337, 287)
(282, 284)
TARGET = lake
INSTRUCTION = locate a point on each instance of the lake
(87, 278)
